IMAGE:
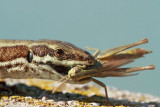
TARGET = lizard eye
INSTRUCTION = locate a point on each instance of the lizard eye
(59, 52)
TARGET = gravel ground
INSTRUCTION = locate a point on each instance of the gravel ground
(38, 93)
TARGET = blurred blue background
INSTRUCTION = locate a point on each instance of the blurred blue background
(95, 23)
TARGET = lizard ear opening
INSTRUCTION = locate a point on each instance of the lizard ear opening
(29, 57)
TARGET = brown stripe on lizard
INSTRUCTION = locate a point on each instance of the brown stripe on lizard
(13, 52)
(42, 50)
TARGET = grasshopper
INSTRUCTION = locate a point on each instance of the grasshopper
(108, 64)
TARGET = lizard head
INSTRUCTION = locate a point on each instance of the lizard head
(59, 55)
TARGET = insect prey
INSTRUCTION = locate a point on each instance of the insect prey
(109, 64)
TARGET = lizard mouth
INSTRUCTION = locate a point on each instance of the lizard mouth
(64, 70)
(61, 69)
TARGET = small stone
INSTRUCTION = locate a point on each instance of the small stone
(61, 103)
(94, 104)
(44, 98)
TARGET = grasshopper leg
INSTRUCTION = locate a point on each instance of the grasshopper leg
(93, 49)
(102, 85)
(65, 80)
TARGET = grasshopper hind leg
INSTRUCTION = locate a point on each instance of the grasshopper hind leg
(102, 85)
